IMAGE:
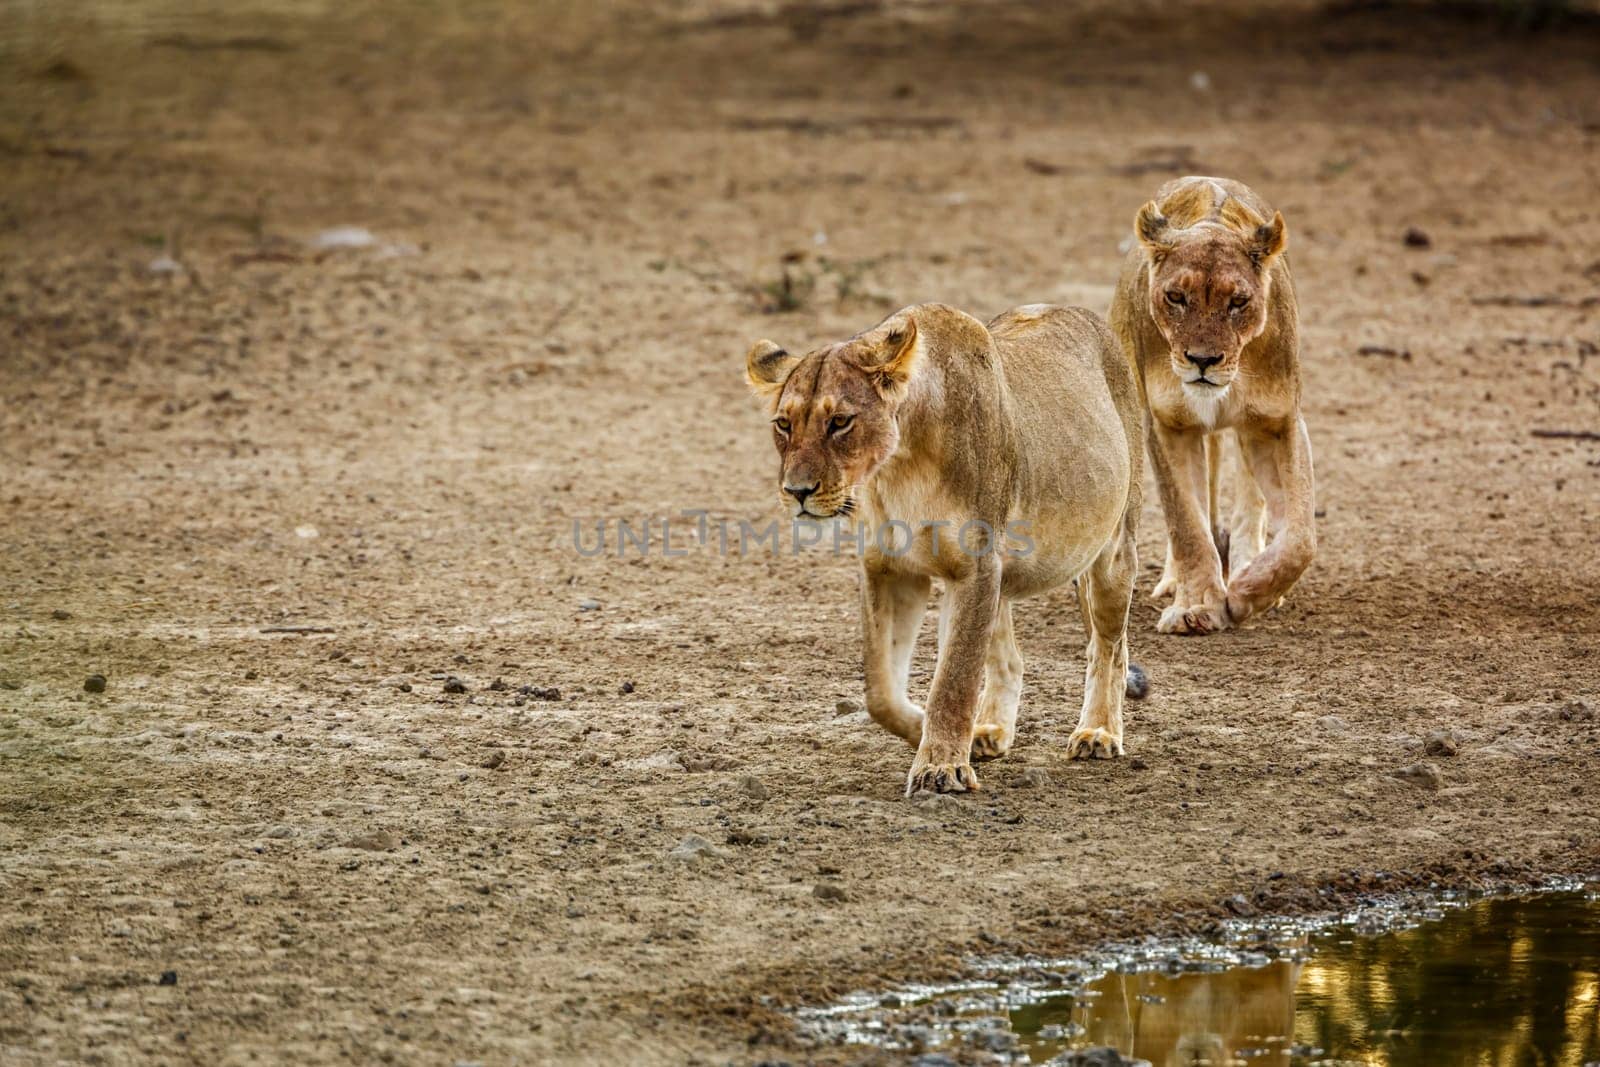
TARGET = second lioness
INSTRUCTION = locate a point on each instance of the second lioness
(1206, 312)
(938, 435)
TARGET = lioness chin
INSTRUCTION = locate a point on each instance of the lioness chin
(1206, 311)
(1003, 460)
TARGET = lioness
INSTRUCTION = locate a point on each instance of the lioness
(947, 436)
(1206, 311)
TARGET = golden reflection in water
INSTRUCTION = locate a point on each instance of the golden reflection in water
(1504, 983)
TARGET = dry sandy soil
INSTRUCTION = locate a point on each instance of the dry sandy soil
(580, 216)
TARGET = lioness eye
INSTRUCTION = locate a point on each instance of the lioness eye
(1238, 302)
(782, 424)
(1175, 298)
(840, 423)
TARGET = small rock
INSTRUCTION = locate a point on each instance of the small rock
(933, 1059)
(1137, 684)
(1422, 775)
(307, 533)
(1138, 764)
(1200, 81)
(1238, 905)
(1416, 238)
(164, 265)
(847, 707)
(1441, 743)
(625, 688)
(453, 684)
(754, 788)
(498, 686)
(588, 605)
(95, 683)
(344, 237)
(280, 832)
(693, 849)
(169, 978)
(495, 761)
(829, 892)
(251, 676)
(376, 841)
(540, 692)
(1033, 778)
(60, 615)
(1333, 724)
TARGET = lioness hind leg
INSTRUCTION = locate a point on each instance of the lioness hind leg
(1002, 690)
(892, 606)
(1104, 593)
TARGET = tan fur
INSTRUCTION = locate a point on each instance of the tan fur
(931, 416)
(1206, 297)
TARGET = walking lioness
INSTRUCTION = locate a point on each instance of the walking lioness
(1206, 311)
(1004, 460)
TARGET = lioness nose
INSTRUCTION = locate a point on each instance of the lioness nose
(800, 492)
(1202, 360)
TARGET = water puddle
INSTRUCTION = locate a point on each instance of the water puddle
(1497, 982)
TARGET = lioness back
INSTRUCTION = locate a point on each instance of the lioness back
(1064, 362)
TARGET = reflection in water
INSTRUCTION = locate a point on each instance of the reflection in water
(1503, 983)
(1510, 982)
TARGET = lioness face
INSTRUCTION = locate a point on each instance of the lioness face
(833, 413)
(1208, 294)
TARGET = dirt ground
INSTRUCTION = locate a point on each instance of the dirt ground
(260, 846)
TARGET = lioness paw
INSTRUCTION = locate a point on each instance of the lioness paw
(1193, 620)
(1093, 743)
(941, 778)
(991, 741)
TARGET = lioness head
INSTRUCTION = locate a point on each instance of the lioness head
(833, 411)
(1208, 289)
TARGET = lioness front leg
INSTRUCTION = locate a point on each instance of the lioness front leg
(892, 606)
(1002, 691)
(1104, 594)
(943, 763)
(1178, 458)
(1281, 465)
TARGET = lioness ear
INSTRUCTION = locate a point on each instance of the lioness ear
(767, 367)
(1152, 227)
(902, 347)
(1269, 239)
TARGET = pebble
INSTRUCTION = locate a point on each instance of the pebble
(933, 1059)
(754, 788)
(588, 605)
(60, 615)
(495, 761)
(847, 707)
(376, 841)
(453, 684)
(625, 688)
(95, 683)
(1333, 724)
(1442, 743)
(1033, 778)
(1137, 684)
(693, 849)
(169, 978)
(1423, 775)
(1416, 238)
(830, 892)
(540, 692)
